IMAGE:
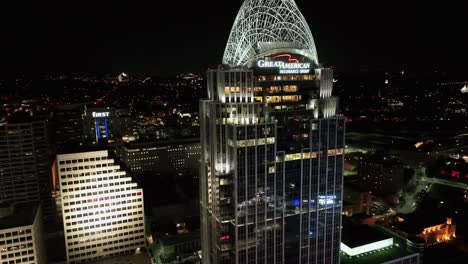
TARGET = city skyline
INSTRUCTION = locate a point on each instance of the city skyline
(169, 38)
(240, 131)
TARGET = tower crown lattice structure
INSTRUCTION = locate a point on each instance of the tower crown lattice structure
(264, 27)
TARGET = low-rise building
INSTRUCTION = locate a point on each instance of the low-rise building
(180, 158)
(355, 200)
(21, 234)
(137, 258)
(364, 244)
(178, 248)
(433, 229)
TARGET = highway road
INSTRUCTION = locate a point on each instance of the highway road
(445, 182)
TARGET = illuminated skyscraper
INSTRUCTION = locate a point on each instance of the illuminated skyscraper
(272, 145)
(103, 214)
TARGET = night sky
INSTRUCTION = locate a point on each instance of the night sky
(164, 37)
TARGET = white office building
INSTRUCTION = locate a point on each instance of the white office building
(21, 235)
(103, 212)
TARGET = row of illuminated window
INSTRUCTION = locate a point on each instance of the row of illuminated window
(17, 250)
(97, 199)
(279, 99)
(84, 216)
(104, 231)
(22, 260)
(108, 191)
(290, 107)
(115, 241)
(92, 227)
(157, 150)
(101, 205)
(272, 89)
(308, 155)
(89, 188)
(286, 77)
(85, 220)
(251, 142)
(15, 240)
(145, 158)
(95, 210)
(104, 185)
(118, 196)
(82, 160)
(228, 90)
(278, 89)
(7, 252)
(15, 233)
(87, 167)
(86, 174)
(117, 173)
(111, 178)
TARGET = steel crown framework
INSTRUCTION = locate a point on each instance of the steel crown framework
(266, 25)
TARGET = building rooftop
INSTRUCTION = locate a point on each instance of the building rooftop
(160, 143)
(415, 223)
(179, 239)
(360, 235)
(70, 107)
(21, 117)
(78, 147)
(23, 215)
(378, 257)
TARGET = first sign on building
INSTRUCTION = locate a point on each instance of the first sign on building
(100, 114)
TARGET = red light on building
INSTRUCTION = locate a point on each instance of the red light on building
(288, 56)
(456, 174)
(224, 238)
(443, 172)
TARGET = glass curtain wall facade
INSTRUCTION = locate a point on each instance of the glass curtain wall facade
(272, 146)
(241, 193)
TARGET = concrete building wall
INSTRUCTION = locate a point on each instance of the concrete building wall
(24, 244)
(103, 212)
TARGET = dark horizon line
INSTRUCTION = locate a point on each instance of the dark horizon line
(361, 70)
